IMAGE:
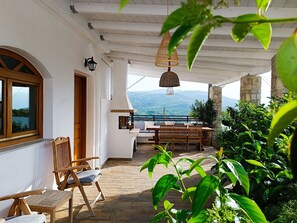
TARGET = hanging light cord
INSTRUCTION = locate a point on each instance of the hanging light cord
(135, 82)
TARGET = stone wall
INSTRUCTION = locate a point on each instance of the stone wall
(250, 89)
(277, 87)
(216, 96)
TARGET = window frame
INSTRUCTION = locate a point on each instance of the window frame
(8, 77)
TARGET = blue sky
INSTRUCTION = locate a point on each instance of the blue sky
(230, 90)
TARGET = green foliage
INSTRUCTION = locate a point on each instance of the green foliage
(225, 170)
(245, 139)
(204, 111)
(288, 213)
(273, 211)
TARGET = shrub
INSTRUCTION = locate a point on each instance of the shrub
(204, 111)
(244, 138)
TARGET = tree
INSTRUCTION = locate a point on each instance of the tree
(204, 111)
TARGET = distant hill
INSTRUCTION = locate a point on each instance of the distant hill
(154, 102)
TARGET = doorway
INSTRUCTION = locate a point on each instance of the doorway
(80, 97)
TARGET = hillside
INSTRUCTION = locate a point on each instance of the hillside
(154, 102)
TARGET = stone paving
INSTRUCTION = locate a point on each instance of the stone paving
(127, 190)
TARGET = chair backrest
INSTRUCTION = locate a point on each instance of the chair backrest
(195, 133)
(166, 133)
(61, 156)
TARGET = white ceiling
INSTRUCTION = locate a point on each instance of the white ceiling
(133, 34)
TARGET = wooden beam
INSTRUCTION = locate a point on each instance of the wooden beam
(161, 9)
(155, 28)
(144, 40)
(227, 53)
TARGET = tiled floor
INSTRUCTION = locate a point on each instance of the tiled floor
(127, 190)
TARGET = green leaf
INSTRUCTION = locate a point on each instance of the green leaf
(255, 163)
(239, 172)
(240, 31)
(188, 193)
(123, 3)
(249, 207)
(285, 174)
(286, 62)
(178, 36)
(204, 190)
(263, 4)
(232, 177)
(159, 217)
(257, 146)
(196, 165)
(262, 33)
(201, 217)
(173, 20)
(196, 41)
(285, 115)
(163, 185)
(293, 154)
(167, 205)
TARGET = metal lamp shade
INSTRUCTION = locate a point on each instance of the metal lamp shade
(169, 79)
(162, 58)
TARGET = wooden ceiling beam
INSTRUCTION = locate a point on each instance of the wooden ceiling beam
(155, 28)
(161, 10)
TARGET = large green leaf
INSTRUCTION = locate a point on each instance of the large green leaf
(249, 207)
(263, 33)
(204, 190)
(263, 4)
(286, 62)
(294, 154)
(164, 184)
(178, 36)
(282, 119)
(197, 39)
(239, 172)
(123, 3)
(174, 20)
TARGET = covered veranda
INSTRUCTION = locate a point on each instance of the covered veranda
(56, 37)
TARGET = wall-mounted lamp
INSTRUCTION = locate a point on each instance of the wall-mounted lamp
(90, 63)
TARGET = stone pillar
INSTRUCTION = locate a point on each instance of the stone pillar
(277, 87)
(250, 89)
(216, 96)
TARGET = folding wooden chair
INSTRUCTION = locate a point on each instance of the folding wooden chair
(76, 173)
(19, 207)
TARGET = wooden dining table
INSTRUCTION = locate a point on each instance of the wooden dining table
(156, 128)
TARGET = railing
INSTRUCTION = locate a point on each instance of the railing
(159, 119)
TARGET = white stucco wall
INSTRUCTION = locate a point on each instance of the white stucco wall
(57, 49)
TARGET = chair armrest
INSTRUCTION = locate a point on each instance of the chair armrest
(22, 194)
(85, 159)
(71, 168)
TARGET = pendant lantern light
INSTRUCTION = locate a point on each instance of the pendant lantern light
(162, 58)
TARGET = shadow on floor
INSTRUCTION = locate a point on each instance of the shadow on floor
(128, 191)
